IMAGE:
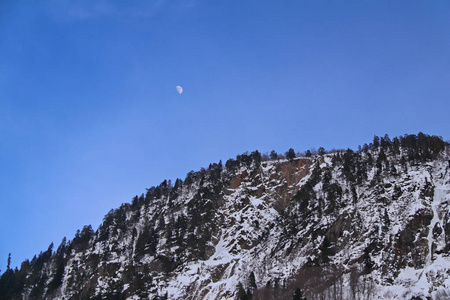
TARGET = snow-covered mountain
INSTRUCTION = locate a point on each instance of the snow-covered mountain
(366, 224)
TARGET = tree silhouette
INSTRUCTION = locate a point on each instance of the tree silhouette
(273, 155)
(321, 151)
(290, 154)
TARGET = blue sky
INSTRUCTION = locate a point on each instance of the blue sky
(90, 117)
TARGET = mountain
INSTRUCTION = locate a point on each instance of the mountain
(367, 224)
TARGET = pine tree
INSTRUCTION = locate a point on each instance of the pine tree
(365, 148)
(179, 183)
(385, 141)
(8, 266)
(256, 157)
(376, 142)
(273, 155)
(321, 151)
(326, 250)
(252, 281)
(290, 154)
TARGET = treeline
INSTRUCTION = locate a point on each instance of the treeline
(420, 147)
(382, 156)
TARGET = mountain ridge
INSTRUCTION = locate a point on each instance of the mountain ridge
(343, 225)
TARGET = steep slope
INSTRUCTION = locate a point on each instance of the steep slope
(344, 225)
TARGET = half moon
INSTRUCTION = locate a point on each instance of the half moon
(179, 89)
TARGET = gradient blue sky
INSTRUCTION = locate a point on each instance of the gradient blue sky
(89, 114)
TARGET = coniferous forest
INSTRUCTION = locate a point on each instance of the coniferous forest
(336, 224)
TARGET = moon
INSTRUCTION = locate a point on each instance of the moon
(179, 89)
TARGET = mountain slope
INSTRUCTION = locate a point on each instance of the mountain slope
(344, 225)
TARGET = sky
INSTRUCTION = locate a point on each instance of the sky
(90, 115)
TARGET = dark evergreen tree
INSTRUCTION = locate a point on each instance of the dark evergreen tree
(241, 293)
(376, 141)
(349, 164)
(367, 260)
(382, 156)
(321, 151)
(190, 176)
(290, 154)
(365, 148)
(244, 159)
(385, 142)
(252, 282)
(326, 251)
(256, 157)
(57, 277)
(273, 155)
(308, 153)
(403, 163)
(81, 240)
(8, 285)
(395, 145)
(178, 183)
(8, 265)
(38, 290)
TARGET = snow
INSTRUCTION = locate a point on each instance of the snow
(246, 216)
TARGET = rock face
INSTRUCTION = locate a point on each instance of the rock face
(372, 224)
